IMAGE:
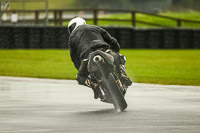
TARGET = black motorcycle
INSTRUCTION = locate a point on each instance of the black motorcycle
(102, 68)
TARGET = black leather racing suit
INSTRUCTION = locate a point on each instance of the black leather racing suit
(84, 40)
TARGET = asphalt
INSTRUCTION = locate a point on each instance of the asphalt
(30, 105)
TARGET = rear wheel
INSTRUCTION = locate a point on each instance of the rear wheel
(114, 93)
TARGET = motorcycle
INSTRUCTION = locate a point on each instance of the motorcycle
(102, 68)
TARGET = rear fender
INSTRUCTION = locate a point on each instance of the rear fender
(107, 59)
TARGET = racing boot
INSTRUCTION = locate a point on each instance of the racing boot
(95, 88)
(123, 77)
(89, 83)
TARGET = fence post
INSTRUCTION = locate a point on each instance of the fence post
(133, 14)
(95, 17)
(47, 13)
(178, 23)
(60, 18)
(0, 13)
(36, 17)
(55, 17)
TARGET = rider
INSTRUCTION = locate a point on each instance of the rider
(85, 39)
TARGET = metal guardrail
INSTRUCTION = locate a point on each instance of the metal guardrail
(58, 18)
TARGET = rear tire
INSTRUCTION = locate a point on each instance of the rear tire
(115, 93)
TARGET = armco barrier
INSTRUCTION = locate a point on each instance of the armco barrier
(57, 37)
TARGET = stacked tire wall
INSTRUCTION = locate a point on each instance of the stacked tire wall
(12, 37)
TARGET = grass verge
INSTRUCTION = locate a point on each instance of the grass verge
(179, 67)
(190, 15)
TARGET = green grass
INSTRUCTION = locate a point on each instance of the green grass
(52, 4)
(61, 4)
(37, 63)
(180, 67)
(191, 15)
(164, 66)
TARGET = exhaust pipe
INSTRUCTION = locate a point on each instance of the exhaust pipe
(97, 59)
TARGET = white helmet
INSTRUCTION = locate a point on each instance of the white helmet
(74, 23)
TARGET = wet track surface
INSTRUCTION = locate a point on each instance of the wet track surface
(38, 105)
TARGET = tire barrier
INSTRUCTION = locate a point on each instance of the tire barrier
(33, 37)
(15, 37)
